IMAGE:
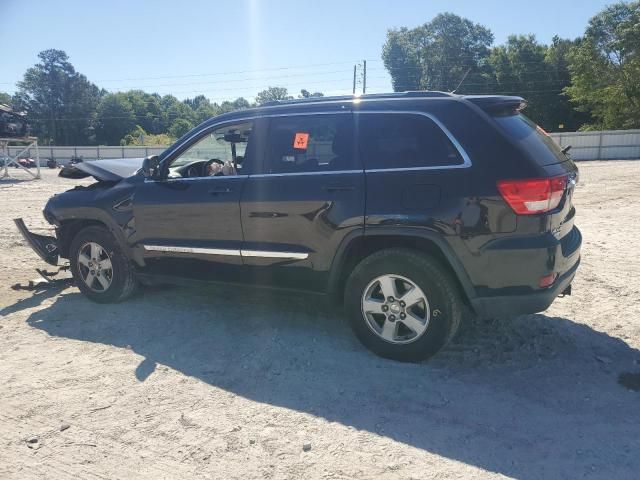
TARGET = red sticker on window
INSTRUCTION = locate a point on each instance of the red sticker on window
(301, 140)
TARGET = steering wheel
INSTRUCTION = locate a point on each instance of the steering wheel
(205, 168)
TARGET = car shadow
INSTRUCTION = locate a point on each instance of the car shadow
(534, 397)
(12, 180)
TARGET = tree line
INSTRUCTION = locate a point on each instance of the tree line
(592, 82)
(64, 108)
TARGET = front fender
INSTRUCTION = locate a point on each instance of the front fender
(72, 210)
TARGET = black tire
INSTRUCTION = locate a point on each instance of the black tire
(445, 304)
(123, 281)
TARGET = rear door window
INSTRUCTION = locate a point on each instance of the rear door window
(398, 140)
(310, 143)
(542, 148)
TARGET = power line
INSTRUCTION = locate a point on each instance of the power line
(257, 89)
(229, 73)
(222, 82)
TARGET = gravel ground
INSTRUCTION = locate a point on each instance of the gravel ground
(226, 384)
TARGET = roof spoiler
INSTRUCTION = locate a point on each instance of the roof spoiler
(498, 104)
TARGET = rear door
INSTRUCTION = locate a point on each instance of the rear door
(416, 172)
(309, 196)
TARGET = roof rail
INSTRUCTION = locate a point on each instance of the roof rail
(408, 94)
(295, 101)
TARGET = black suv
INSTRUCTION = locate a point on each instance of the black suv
(411, 207)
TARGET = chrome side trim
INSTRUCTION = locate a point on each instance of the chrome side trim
(415, 169)
(298, 174)
(204, 251)
(227, 252)
(271, 254)
(192, 179)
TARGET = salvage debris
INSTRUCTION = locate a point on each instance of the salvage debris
(45, 281)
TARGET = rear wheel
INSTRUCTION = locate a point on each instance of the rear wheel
(101, 270)
(402, 304)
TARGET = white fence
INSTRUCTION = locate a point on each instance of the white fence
(64, 154)
(601, 145)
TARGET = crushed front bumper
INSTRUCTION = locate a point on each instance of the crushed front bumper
(45, 246)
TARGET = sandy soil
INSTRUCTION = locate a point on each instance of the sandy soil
(222, 384)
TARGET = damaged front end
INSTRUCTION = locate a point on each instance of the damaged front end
(106, 202)
(45, 246)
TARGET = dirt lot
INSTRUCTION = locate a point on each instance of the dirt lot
(216, 383)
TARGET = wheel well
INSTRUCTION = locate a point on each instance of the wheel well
(363, 246)
(69, 229)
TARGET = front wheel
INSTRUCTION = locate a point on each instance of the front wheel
(402, 304)
(101, 270)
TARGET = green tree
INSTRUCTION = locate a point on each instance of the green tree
(561, 112)
(519, 68)
(5, 98)
(60, 102)
(272, 94)
(306, 94)
(179, 127)
(605, 68)
(173, 109)
(138, 136)
(147, 109)
(437, 55)
(238, 104)
(202, 108)
(115, 118)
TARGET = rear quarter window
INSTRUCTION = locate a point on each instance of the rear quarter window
(395, 140)
(530, 137)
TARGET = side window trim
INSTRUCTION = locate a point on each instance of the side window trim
(259, 157)
(466, 160)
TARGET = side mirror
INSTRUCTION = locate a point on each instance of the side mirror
(151, 167)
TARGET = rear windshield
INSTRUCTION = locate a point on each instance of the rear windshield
(543, 149)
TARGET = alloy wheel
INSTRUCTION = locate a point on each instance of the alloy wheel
(395, 309)
(95, 267)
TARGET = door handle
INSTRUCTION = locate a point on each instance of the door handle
(338, 188)
(219, 190)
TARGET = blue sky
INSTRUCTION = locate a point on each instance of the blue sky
(231, 48)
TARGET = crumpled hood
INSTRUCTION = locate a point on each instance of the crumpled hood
(109, 170)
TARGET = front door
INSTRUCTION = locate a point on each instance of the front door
(307, 198)
(188, 222)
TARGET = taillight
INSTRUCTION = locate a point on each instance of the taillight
(547, 280)
(533, 195)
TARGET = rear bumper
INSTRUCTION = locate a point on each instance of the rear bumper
(515, 268)
(512, 305)
(45, 246)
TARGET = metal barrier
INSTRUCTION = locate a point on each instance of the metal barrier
(601, 145)
(28, 147)
(63, 155)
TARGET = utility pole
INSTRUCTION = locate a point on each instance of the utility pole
(364, 77)
(355, 67)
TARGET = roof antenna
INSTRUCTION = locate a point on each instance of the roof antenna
(463, 79)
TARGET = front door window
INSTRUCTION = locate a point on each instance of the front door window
(220, 152)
